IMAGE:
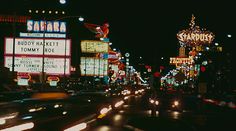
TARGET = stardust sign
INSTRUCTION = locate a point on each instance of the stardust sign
(195, 37)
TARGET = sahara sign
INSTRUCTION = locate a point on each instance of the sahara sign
(46, 26)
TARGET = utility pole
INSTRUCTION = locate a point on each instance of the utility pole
(43, 61)
(14, 41)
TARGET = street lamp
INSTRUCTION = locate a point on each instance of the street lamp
(14, 41)
(43, 60)
(127, 65)
(229, 35)
(62, 1)
(81, 19)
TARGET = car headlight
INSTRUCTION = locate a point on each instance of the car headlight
(6, 117)
(105, 110)
(21, 127)
(176, 103)
(119, 103)
(77, 127)
(128, 92)
(126, 97)
(2, 121)
(157, 102)
(151, 101)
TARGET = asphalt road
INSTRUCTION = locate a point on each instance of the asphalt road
(137, 116)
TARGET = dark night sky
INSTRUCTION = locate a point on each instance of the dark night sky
(147, 28)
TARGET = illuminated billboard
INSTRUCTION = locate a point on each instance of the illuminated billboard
(33, 65)
(195, 35)
(91, 66)
(28, 56)
(114, 67)
(93, 46)
(180, 60)
(34, 46)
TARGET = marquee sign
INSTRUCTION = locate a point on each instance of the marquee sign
(195, 36)
(180, 60)
(91, 66)
(28, 55)
(34, 46)
(33, 65)
(94, 46)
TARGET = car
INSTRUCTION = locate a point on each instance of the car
(165, 101)
(46, 107)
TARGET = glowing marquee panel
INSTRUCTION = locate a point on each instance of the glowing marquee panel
(93, 46)
(34, 65)
(34, 46)
(90, 66)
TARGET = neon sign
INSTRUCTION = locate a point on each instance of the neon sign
(194, 35)
(46, 26)
(180, 60)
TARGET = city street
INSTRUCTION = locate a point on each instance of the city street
(135, 116)
(80, 65)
